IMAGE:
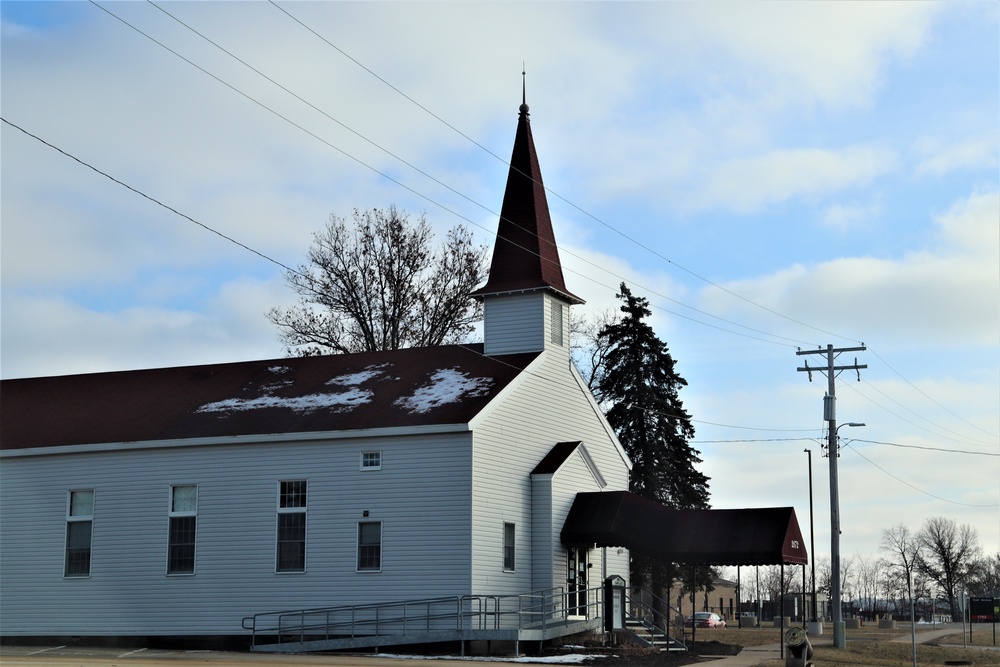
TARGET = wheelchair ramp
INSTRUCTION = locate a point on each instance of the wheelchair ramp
(537, 616)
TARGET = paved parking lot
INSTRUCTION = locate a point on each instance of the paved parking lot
(73, 656)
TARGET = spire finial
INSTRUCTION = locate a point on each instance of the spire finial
(524, 95)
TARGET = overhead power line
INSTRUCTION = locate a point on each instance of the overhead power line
(532, 373)
(929, 449)
(915, 488)
(150, 198)
(790, 342)
(257, 252)
(929, 398)
(963, 439)
(695, 320)
(590, 215)
(593, 217)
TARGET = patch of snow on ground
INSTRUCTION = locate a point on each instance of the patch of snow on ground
(278, 369)
(569, 659)
(447, 385)
(344, 400)
(360, 377)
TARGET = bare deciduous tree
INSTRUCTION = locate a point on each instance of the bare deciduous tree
(870, 582)
(904, 549)
(588, 348)
(949, 554)
(377, 284)
(986, 579)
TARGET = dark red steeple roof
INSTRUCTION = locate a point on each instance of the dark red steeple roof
(525, 256)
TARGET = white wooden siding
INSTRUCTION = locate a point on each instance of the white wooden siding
(421, 496)
(551, 303)
(552, 496)
(543, 532)
(572, 478)
(515, 323)
(548, 406)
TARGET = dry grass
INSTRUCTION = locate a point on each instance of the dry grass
(894, 654)
(978, 638)
(769, 635)
(739, 637)
(870, 646)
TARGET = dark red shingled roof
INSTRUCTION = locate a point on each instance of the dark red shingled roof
(557, 456)
(758, 536)
(412, 387)
(525, 256)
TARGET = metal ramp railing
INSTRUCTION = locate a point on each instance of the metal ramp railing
(644, 615)
(538, 615)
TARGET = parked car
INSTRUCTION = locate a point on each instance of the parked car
(705, 619)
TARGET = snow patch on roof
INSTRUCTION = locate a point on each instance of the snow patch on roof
(360, 377)
(272, 387)
(338, 402)
(448, 385)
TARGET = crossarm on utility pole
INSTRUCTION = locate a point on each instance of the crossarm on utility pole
(820, 369)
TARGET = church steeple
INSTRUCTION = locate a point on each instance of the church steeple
(525, 257)
(525, 300)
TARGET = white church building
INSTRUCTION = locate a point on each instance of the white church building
(183, 502)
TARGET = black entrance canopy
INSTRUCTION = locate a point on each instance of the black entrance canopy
(764, 536)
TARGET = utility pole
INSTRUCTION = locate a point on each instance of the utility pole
(830, 416)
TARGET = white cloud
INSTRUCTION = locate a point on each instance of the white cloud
(662, 119)
(941, 157)
(847, 217)
(51, 335)
(948, 293)
(970, 227)
(832, 53)
(747, 183)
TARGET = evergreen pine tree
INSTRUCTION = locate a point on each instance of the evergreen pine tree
(641, 386)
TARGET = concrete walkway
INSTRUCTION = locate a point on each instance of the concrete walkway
(748, 657)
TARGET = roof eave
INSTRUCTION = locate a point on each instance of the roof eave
(234, 440)
(573, 299)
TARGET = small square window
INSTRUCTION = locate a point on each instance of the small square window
(371, 460)
(81, 503)
(184, 499)
(293, 494)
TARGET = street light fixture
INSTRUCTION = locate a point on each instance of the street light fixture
(839, 640)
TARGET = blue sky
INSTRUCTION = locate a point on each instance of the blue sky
(833, 165)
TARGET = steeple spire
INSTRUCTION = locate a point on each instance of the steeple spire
(525, 257)
(524, 90)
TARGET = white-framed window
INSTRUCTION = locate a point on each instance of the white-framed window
(509, 537)
(371, 460)
(292, 504)
(556, 324)
(79, 532)
(370, 546)
(183, 519)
